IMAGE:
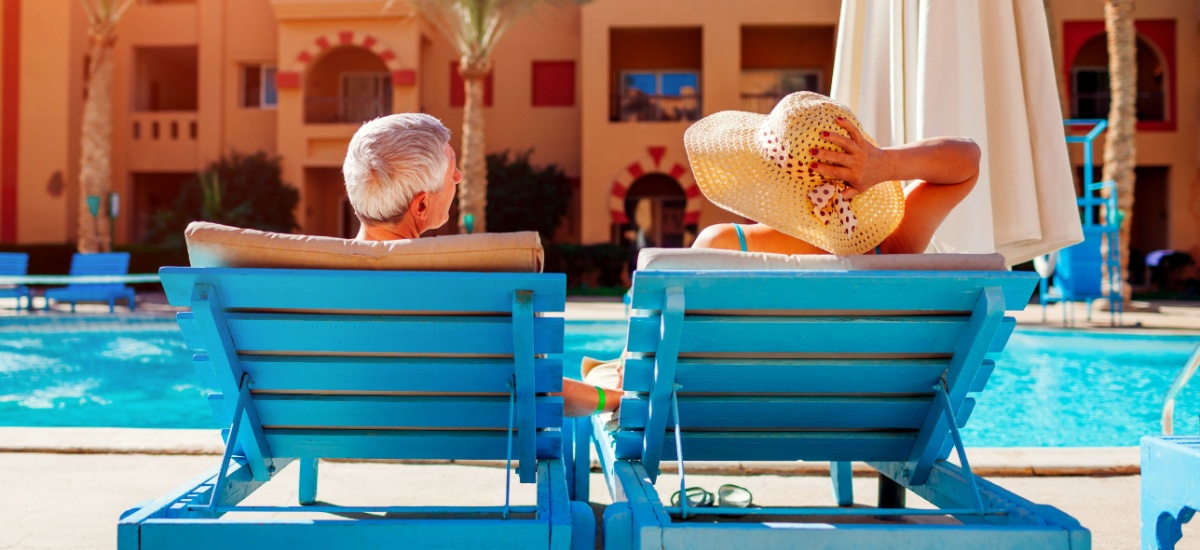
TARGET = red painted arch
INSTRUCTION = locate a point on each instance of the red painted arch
(1159, 33)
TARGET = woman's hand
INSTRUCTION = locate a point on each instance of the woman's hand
(861, 166)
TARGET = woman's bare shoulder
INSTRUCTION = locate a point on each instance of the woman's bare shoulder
(722, 236)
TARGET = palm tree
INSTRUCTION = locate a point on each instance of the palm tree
(474, 27)
(95, 167)
(1120, 146)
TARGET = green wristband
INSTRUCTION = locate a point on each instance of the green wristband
(599, 401)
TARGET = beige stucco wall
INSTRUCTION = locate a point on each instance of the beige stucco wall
(43, 148)
(1175, 150)
(548, 33)
(609, 147)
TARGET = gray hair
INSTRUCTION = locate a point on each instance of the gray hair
(390, 160)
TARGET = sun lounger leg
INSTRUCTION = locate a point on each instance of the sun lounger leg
(583, 526)
(891, 494)
(843, 483)
(618, 526)
(583, 459)
(308, 480)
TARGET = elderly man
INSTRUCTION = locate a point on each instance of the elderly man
(401, 175)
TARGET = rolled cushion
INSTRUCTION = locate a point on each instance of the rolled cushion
(688, 259)
(214, 245)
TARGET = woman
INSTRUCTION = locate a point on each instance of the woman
(808, 146)
(815, 183)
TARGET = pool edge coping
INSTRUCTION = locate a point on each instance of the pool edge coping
(985, 461)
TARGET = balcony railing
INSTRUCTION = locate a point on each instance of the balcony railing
(345, 110)
(164, 141)
(1151, 106)
(634, 105)
(165, 126)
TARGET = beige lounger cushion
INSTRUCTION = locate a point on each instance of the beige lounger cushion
(687, 259)
(214, 245)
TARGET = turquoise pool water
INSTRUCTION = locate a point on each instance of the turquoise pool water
(1050, 388)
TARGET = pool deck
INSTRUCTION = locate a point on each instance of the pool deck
(73, 501)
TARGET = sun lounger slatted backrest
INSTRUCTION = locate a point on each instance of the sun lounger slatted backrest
(15, 263)
(99, 264)
(819, 365)
(380, 365)
(109, 263)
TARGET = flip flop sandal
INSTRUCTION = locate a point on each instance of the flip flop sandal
(733, 496)
(697, 498)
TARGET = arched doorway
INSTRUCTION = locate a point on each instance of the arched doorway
(347, 85)
(655, 205)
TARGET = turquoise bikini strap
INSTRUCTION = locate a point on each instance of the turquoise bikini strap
(741, 236)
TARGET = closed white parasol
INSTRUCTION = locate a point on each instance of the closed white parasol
(983, 69)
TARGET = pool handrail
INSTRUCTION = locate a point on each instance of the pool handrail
(1181, 380)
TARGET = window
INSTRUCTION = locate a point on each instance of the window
(458, 94)
(553, 84)
(365, 96)
(763, 88)
(258, 87)
(660, 95)
(1090, 94)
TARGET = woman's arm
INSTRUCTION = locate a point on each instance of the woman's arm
(948, 168)
(941, 160)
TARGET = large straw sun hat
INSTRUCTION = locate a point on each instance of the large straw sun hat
(758, 166)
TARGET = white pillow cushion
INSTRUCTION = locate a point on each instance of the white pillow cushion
(689, 259)
(214, 245)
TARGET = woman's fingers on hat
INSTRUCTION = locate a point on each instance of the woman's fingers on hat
(850, 128)
(832, 171)
(841, 141)
(835, 157)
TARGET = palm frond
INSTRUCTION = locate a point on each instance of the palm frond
(90, 10)
(121, 9)
(474, 27)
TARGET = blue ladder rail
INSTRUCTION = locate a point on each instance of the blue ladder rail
(1111, 277)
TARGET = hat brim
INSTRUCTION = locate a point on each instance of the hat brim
(727, 159)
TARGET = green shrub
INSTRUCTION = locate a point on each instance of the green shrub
(239, 190)
(597, 265)
(523, 198)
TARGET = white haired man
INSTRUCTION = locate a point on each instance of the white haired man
(401, 176)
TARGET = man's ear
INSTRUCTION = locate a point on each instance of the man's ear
(419, 206)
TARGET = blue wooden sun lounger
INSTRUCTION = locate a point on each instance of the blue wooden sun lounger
(317, 364)
(105, 263)
(838, 366)
(16, 263)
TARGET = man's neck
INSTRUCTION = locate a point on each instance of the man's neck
(405, 229)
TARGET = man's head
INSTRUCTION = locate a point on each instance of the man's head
(401, 173)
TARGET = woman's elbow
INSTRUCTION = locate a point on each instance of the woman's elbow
(971, 152)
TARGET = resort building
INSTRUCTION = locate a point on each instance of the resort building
(605, 90)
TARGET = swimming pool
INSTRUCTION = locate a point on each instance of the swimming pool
(1051, 388)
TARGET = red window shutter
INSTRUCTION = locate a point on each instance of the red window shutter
(553, 83)
(458, 95)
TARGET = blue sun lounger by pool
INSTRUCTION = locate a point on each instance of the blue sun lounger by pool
(16, 263)
(319, 364)
(105, 263)
(833, 365)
